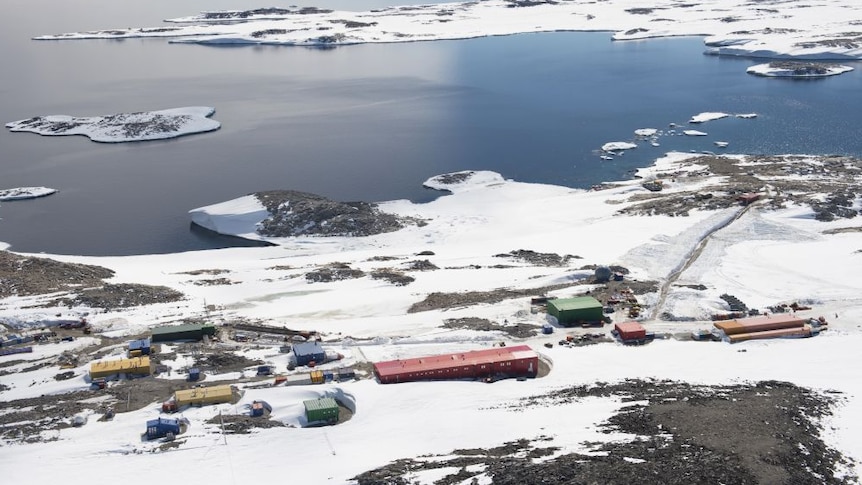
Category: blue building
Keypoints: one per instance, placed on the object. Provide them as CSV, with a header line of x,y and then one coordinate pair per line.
x,y
307,352
160,427
140,347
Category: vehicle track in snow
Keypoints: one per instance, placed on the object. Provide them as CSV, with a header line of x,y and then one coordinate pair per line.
x,y
690,258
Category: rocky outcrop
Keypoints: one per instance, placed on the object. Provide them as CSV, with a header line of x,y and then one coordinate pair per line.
x,y
294,213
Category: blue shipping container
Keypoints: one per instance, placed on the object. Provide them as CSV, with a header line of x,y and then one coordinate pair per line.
x,y
264,370
194,374
160,427
19,350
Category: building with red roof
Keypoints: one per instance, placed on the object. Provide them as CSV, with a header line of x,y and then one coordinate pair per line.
x,y
518,361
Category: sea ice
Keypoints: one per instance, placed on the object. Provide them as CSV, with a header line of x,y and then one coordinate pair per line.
x,y
646,132
124,127
797,69
708,116
25,193
618,145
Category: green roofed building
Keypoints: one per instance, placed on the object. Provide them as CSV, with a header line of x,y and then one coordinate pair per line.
x,y
580,309
188,331
321,410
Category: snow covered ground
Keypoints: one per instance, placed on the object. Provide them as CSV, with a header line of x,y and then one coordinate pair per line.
x,y
764,257
124,127
820,30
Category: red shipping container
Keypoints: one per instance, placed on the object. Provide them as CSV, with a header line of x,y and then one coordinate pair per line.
x,y
630,331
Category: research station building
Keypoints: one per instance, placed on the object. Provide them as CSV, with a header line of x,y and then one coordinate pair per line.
x,y
580,309
188,331
518,361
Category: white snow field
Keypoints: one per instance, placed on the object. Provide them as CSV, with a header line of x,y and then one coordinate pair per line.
x,y
124,127
763,256
802,30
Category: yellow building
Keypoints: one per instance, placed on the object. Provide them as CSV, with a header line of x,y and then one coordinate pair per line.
x,y
204,395
136,365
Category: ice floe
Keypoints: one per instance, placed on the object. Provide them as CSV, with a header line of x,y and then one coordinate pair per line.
x,y
124,127
618,145
20,193
798,69
646,132
708,116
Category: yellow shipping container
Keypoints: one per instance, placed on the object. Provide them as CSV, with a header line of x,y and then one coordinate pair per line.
x,y
317,376
204,395
136,365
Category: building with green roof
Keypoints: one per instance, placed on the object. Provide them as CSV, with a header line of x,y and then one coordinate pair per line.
x,y
572,311
188,331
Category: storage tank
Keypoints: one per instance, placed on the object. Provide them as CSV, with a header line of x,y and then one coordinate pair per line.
x,y
603,274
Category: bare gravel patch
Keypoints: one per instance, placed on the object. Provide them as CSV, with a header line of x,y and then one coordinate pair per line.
x,y
515,330
766,432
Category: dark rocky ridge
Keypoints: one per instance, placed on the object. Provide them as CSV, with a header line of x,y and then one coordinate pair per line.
x,y
294,213
83,284
765,432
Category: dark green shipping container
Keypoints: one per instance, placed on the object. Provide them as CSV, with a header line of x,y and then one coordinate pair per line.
x,y
321,410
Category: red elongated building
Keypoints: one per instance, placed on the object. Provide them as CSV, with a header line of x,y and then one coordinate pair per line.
x,y
760,323
518,361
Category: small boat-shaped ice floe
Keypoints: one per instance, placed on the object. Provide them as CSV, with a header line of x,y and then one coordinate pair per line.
x,y
20,193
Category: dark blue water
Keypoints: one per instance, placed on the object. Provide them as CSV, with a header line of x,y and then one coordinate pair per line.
x,y
368,122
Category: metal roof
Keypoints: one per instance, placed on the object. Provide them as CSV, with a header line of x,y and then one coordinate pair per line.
x,y
445,361
773,318
205,393
158,421
307,348
576,303
139,344
629,327
133,365
186,327
322,403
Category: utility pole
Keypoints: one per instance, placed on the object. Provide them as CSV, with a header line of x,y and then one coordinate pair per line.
x,y
221,418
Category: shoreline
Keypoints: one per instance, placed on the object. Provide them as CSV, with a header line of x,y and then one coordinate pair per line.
x,y
465,252
728,28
